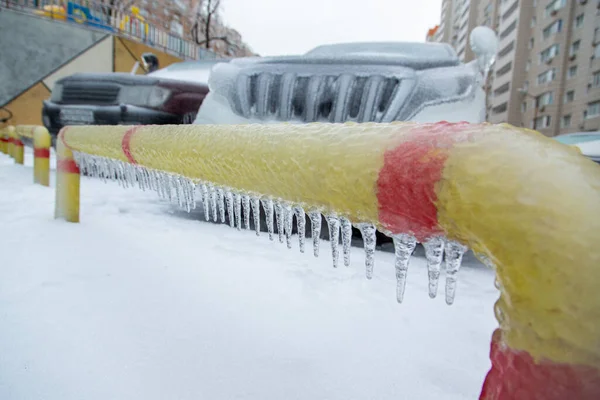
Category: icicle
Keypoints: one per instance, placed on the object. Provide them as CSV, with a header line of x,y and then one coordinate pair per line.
x,y
255,203
315,222
221,202
279,220
346,239
237,199
434,252
205,201
404,245
230,212
301,224
333,223
369,235
213,202
288,221
454,252
268,206
246,206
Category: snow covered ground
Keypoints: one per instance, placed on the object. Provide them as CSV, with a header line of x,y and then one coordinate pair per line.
x,y
139,302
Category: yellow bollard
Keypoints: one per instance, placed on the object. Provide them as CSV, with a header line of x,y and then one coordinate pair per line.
x,y
9,141
41,152
3,141
67,183
18,149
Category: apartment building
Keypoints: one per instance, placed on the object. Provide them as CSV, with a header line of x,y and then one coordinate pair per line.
x,y
547,70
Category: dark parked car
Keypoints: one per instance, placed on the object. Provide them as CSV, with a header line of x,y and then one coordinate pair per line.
x,y
171,95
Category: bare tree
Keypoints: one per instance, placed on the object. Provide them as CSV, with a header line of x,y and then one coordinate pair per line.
x,y
206,17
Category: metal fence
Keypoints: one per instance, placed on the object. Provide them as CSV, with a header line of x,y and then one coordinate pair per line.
x,y
100,16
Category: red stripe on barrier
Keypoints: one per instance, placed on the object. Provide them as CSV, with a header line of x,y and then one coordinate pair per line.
x,y
4,140
41,153
406,182
18,143
61,137
126,144
515,375
67,166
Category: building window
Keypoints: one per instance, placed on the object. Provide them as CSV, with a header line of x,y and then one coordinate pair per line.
x,y
523,106
506,49
596,79
579,21
510,11
501,108
574,47
528,65
532,24
566,121
553,6
553,28
545,99
542,122
504,70
531,43
596,52
549,53
593,110
572,72
569,96
508,30
502,89
526,85
547,76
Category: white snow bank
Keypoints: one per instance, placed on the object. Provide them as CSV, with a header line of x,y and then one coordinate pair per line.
x,y
140,302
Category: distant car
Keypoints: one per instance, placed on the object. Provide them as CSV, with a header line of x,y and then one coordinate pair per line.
x,y
588,143
360,82
171,95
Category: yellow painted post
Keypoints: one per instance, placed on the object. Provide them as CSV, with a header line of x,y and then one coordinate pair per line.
x,y
18,149
41,152
10,141
3,141
67,183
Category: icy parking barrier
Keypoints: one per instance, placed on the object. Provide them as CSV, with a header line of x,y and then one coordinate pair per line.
x,y
41,140
528,206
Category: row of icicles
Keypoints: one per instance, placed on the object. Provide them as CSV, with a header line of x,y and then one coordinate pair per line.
x,y
217,200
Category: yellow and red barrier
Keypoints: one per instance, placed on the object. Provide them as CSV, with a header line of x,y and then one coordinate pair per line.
x,y
42,141
527,204
5,139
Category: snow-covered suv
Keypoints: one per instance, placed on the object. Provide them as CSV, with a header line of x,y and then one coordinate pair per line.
x,y
361,82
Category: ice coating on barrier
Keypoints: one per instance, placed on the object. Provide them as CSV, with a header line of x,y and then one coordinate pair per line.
x,y
269,211
301,224
255,203
404,245
205,201
246,207
454,252
221,201
230,212
434,253
315,222
181,191
333,223
237,200
288,220
279,219
213,202
346,227
369,235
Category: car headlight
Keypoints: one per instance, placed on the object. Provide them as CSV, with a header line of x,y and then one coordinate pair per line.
x,y
144,96
57,91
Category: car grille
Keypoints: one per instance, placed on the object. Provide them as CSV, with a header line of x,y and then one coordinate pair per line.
x,y
89,93
332,98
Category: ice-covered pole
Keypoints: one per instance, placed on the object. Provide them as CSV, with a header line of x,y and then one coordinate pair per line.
x,y
4,140
17,150
526,204
41,151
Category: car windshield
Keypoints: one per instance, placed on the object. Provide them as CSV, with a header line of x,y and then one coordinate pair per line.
x,y
575,138
431,51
